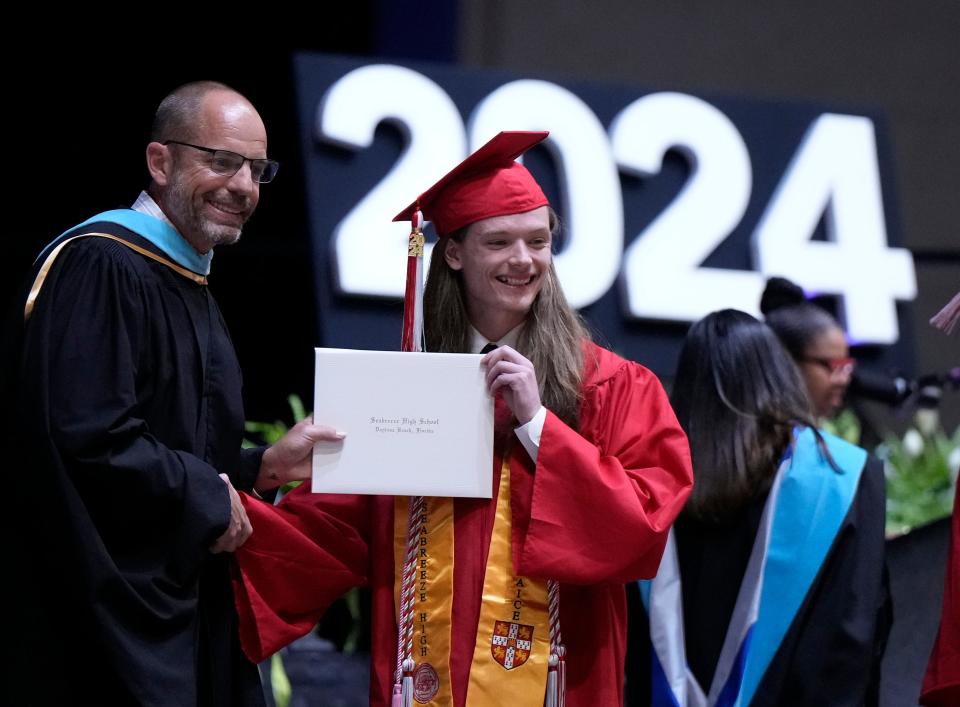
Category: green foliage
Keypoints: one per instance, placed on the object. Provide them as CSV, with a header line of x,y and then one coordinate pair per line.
x,y
920,467
282,690
270,432
352,600
845,426
921,474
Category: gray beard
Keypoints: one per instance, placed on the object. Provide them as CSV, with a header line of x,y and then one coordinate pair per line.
x,y
197,231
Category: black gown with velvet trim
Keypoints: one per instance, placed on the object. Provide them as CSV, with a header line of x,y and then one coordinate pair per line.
x,y
832,651
121,406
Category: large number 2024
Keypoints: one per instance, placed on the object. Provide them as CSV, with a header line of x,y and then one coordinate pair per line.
x,y
834,172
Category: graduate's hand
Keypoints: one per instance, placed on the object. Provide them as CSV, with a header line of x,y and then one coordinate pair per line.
x,y
289,459
239,529
507,370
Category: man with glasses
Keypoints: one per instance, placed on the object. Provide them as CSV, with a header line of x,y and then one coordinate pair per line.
x,y
127,408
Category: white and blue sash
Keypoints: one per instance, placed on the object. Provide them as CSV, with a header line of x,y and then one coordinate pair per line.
x,y
803,513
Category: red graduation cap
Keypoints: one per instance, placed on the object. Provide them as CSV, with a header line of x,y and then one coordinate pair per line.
x,y
487,183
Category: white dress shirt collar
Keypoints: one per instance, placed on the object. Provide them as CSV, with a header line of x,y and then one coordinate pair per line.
x,y
478,340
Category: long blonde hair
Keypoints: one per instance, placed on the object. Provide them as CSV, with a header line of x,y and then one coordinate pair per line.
x,y
552,337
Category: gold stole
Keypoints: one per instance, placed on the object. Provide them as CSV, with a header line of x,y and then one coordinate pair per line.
x,y
433,596
513,637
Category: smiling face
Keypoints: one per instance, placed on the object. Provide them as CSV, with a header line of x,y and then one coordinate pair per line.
x,y
503,261
205,207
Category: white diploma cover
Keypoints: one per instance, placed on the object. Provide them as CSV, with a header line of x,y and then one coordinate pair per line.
x,y
416,424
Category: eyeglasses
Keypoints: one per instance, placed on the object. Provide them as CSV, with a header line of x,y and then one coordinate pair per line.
x,y
834,366
229,163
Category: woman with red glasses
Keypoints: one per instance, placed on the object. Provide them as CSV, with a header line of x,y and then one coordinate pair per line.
x,y
815,341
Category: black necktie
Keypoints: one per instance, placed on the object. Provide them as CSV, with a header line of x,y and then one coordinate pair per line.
x,y
488,348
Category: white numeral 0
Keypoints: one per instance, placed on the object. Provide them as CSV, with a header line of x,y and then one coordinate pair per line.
x,y
589,186
663,279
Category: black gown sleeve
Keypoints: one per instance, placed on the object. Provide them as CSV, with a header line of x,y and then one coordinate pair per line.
x,y
249,467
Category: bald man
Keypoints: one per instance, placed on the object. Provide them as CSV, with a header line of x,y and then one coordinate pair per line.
x,y
126,405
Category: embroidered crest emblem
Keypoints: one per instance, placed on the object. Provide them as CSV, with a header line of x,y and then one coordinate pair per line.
x,y
511,643
426,683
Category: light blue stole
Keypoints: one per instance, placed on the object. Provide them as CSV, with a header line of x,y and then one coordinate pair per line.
x,y
159,232
805,509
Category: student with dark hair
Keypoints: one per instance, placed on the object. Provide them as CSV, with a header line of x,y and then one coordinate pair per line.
x,y
814,339
772,589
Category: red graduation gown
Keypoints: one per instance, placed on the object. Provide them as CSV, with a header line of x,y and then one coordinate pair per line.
x,y
593,513
941,685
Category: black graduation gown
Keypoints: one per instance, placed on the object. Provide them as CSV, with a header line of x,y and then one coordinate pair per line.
x,y
830,655
122,408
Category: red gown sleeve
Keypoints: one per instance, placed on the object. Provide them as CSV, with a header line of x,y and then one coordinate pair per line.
x,y
604,499
941,684
302,555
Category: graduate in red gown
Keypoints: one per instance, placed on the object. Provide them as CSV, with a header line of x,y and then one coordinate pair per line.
x,y
941,685
590,470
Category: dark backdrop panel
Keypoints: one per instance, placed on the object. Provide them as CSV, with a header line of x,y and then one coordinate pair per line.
x,y
901,60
